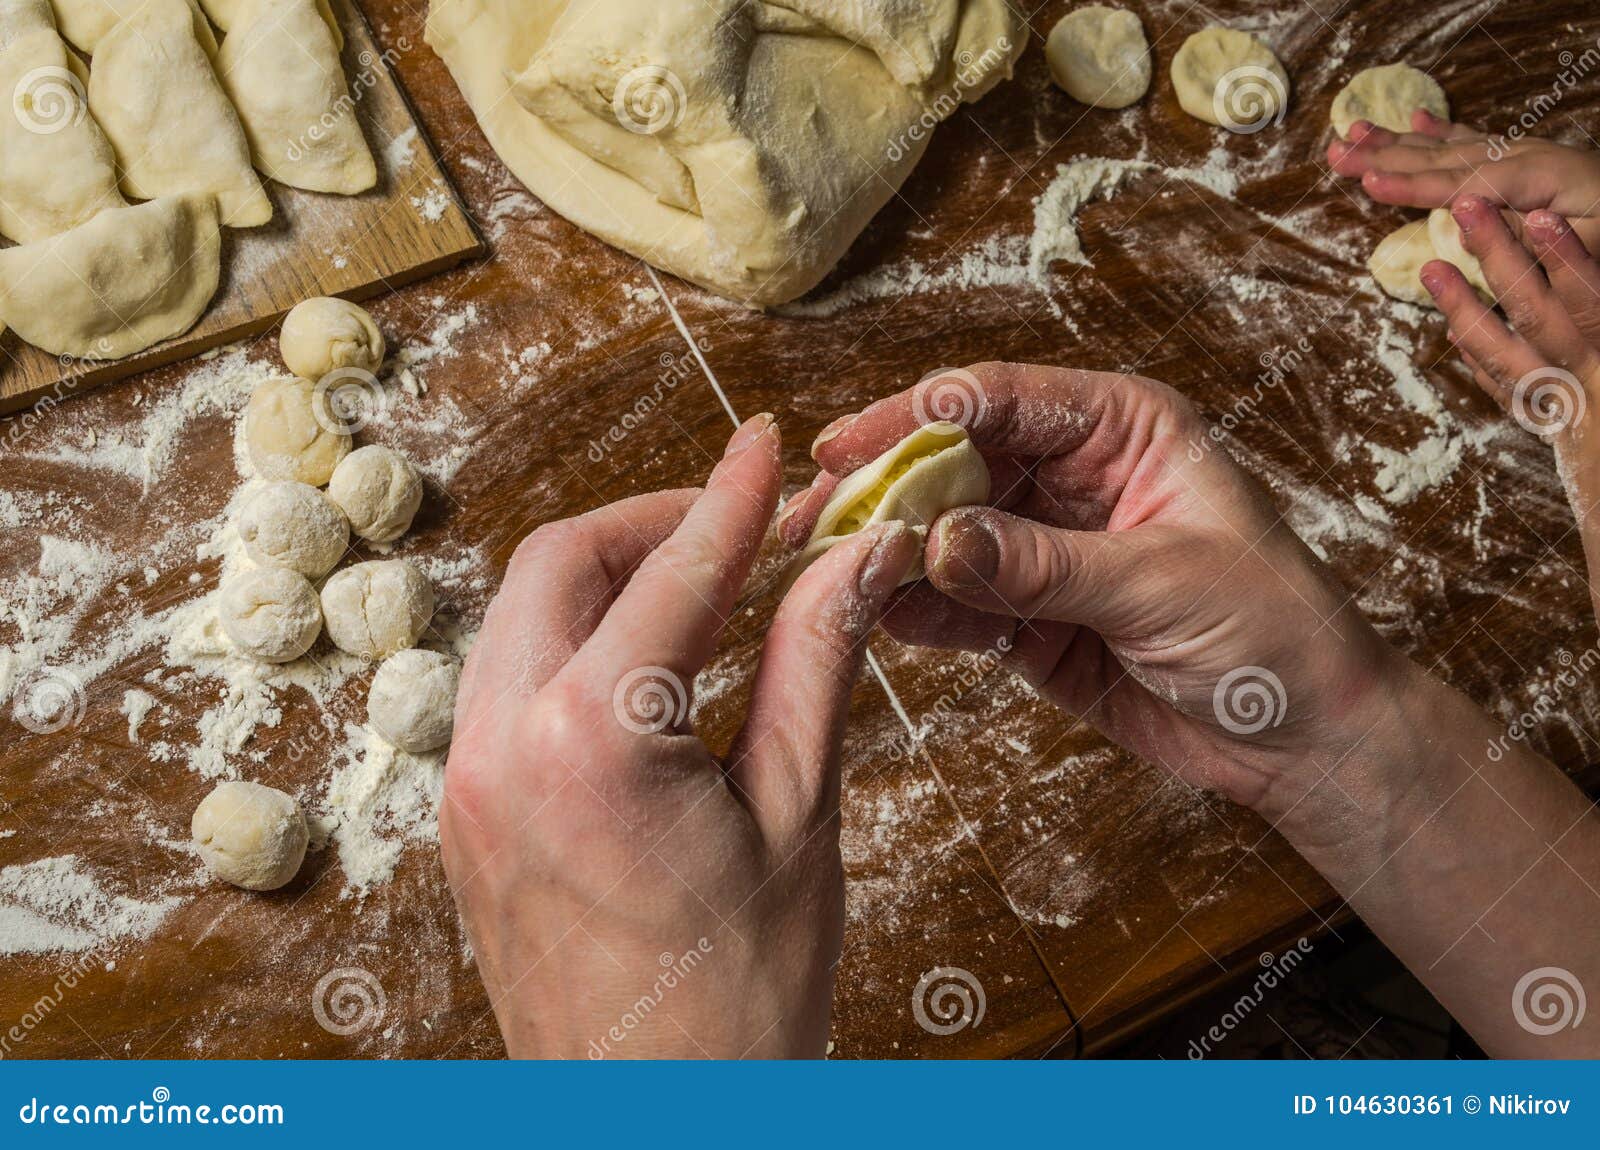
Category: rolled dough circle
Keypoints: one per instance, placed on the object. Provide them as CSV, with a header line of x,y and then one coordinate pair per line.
x,y
1099,56
250,835
1230,79
1387,95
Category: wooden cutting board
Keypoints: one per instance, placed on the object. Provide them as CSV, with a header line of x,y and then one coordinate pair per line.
x,y
409,225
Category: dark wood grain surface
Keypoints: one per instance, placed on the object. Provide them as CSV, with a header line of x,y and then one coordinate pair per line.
x,y
1085,891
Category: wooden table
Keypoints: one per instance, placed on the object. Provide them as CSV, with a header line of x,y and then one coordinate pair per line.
x,y
1087,892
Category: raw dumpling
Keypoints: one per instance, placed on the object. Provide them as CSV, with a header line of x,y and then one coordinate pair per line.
x,y
1231,79
927,473
56,168
86,22
280,65
222,12
173,129
1387,96
128,278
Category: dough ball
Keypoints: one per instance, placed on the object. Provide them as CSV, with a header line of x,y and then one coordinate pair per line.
x,y
322,333
271,613
290,436
1387,96
413,699
1230,79
375,609
1446,236
250,835
1099,56
1397,260
294,525
378,490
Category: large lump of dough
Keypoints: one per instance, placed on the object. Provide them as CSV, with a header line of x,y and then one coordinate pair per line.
x,y
129,278
56,168
741,145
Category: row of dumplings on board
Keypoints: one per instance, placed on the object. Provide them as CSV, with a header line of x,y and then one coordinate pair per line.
x,y
164,113
294,534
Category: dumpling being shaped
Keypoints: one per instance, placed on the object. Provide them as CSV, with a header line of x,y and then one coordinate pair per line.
x,y
86,22
933,470
172,128
56,167
280,66
127,279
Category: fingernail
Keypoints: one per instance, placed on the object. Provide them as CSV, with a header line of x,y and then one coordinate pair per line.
x,y
1432,282
1544,220
965,551
749,431
1464,210
888,561
831,432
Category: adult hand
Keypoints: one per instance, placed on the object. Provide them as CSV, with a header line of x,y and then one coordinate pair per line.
x,y
1142,580
1438,161
626,893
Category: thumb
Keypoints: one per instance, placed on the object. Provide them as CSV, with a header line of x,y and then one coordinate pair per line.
x,y
1008,565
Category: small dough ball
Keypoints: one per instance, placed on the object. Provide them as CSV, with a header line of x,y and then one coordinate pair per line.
x,y
1231,79
1397,260
271,613
1099,56
413,699
375,609
250,835
286,438
322,333
1446,236
294,525
1387,96
378,490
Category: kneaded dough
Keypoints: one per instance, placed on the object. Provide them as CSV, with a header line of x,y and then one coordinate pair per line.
x,y
57,170
1387,96
272,614
1446,236
379,492
294,525
1099,56
86,22
1231,79
280,66
932,470
413,699
323,333
153,91
129,278
291,433
250,835
377,608
742,146
1397,260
